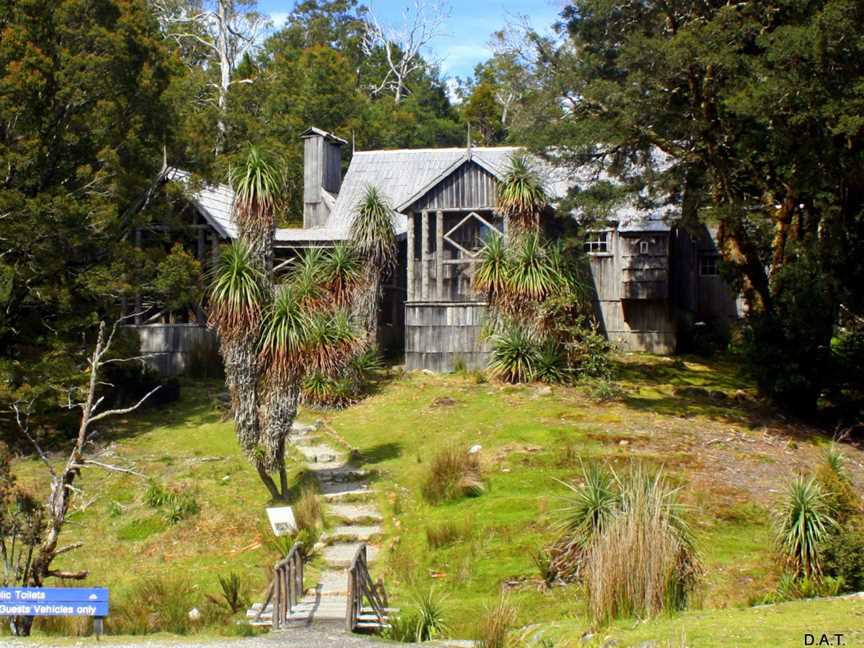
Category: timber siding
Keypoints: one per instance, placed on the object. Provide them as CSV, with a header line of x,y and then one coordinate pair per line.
x,y
171,348
441,336
468,187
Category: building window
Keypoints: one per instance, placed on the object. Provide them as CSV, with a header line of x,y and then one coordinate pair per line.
x,y
709,265
597,242
644,247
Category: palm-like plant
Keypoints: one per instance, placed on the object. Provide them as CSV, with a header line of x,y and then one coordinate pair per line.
x,y
533,273
342,273
493,270
374,238
521,196
235,295
802,523
589,507
515,353
236,299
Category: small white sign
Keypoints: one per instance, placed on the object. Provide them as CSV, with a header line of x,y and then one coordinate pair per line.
x,y
282,520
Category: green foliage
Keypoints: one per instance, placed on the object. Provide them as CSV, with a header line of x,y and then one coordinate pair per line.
x,y
515,355
642,559
178,504
803,522
841,497
793,589
23,523
452,473
233,592
83,100
521,194
627,541
843,555
430,615
741,96
178,283
236,296
349,386
447,533
372,231
155,604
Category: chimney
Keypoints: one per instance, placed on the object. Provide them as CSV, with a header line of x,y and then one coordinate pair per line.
x,y
322,171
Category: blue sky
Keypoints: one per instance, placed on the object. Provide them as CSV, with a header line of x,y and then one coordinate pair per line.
x,y
471,24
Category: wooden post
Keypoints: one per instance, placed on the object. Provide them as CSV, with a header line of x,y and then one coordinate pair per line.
x,y
410,256
424,257
439,255
214,252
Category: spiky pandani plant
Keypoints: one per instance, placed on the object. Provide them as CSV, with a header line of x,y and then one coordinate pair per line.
x,y
521,195
258,188
515,354
302,333
342,273
236,299
373,236
802,524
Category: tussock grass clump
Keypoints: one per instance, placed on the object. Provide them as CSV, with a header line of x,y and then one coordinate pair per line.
x,y
452,474
626,540
307,510
155,604
496,624
447,533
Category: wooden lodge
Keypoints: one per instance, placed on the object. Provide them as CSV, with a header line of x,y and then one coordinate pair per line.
x,y
651,278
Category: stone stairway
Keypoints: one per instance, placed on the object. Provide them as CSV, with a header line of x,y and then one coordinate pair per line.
x,y
348,503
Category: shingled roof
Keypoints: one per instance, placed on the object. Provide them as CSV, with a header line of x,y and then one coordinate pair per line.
x,y
404,175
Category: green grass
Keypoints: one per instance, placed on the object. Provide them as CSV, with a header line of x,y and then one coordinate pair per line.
x,y
531,436
187,445
778,626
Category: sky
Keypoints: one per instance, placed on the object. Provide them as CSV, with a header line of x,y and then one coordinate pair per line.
x,y
468,30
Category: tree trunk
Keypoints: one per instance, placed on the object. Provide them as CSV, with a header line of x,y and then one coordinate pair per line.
x,y
368,300
281,410
225,65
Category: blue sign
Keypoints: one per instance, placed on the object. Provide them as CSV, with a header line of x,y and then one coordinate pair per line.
x,y
54,601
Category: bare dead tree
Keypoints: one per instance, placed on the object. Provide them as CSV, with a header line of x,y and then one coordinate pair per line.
x,y
422,21
39,567
226,30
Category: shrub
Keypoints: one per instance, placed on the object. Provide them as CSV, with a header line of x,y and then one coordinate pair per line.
x,y
843,555
496,624
156,495
802,523
350,386
156,604
840,496
791,588
453,473
642,560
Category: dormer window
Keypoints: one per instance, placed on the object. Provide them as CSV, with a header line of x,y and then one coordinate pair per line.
x,y
597,242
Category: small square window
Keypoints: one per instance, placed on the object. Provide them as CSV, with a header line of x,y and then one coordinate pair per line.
x,y
709,265
644,247
597,242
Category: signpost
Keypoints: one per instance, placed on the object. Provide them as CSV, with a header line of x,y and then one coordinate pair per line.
x,y
56,601
282,520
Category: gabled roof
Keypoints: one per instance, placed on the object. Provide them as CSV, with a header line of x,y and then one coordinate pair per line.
x,y
214,202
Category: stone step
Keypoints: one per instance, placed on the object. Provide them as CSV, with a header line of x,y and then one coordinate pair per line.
x,y
354,511
341,554
346,490
353,533
339,473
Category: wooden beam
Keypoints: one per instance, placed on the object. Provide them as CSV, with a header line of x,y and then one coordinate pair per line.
x,y
409,255
424,256
439,255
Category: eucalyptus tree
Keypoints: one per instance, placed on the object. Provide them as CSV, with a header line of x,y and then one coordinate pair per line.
x,y
374,238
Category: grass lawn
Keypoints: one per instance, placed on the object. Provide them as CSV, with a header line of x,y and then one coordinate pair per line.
x,y
697,420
